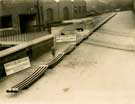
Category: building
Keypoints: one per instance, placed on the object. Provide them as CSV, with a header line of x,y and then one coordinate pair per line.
x,y
79,8
22,16
65,9
133,6
17,16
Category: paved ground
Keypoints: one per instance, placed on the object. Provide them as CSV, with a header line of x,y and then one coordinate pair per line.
x,y
117,33
90,75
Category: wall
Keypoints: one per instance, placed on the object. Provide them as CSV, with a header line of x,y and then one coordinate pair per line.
x,y
33,49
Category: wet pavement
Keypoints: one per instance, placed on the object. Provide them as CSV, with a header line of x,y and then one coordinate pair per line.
x,y
90,74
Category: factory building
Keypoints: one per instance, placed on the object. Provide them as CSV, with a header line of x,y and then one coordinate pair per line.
x,y
22,16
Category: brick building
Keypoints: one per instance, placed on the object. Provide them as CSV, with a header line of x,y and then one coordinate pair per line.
x,y
21,16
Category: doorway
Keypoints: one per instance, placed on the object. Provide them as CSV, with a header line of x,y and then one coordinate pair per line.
x,y
50,16
66,13
27,23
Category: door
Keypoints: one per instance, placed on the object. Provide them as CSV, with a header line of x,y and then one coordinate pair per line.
x,y
66,13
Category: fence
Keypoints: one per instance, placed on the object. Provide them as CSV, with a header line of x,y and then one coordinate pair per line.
x,y
9,37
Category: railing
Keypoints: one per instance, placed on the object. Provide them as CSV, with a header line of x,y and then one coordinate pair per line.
x,y
4,37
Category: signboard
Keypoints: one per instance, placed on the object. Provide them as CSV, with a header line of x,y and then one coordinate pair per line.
x,y
66,38
17,65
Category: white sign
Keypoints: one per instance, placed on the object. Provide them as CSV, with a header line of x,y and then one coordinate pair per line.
x,y
17,65
66,38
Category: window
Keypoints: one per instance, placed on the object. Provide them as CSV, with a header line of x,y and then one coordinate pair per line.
x,y
75,9
6,21
84,8
50,15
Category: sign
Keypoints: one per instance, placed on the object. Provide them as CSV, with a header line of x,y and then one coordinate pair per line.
x,y
66,38
17,65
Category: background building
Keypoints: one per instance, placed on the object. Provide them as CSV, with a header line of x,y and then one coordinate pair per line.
x,y
22,16
79,8
95,7
134,6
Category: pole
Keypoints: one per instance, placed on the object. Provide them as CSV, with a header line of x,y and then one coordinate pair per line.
x,y
38,15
